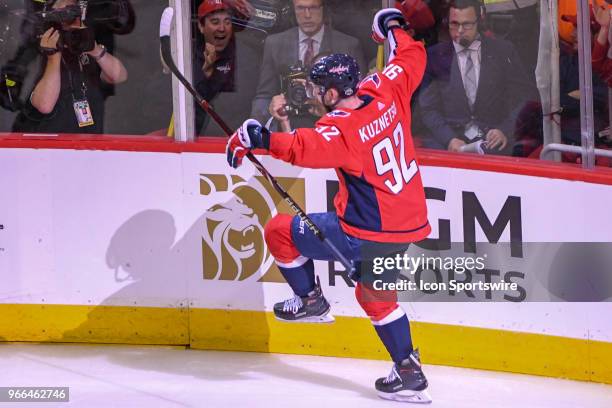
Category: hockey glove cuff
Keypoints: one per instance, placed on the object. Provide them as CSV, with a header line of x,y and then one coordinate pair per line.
x,y
251,135
380,27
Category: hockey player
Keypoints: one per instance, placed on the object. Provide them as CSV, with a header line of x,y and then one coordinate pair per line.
x,y
380,206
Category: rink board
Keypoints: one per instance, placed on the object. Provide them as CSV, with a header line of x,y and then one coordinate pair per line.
x,y
239,330
162,245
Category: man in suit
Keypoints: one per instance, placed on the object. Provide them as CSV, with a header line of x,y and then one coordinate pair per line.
x,y
474,86
310,38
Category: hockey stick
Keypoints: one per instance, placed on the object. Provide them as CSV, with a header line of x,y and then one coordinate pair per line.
x,y
164,37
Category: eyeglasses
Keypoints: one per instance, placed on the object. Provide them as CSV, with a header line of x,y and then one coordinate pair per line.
x,y
468,25
310,9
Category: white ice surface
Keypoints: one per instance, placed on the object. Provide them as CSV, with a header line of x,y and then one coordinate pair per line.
x,y
146,376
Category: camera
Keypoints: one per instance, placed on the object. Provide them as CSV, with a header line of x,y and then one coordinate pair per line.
x,y
77,41
74,41
294,87
115,15
57,17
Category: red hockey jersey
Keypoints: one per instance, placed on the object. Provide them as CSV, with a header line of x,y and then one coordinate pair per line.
x,y
381,196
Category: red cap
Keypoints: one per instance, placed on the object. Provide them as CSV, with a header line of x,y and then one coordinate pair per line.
x,y
209,6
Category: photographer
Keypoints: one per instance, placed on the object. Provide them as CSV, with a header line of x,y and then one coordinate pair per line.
x,y
68,97
278,111
293,108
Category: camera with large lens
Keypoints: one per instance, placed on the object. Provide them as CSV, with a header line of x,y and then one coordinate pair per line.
x,y
77,41
72,40
293,85
48,18
114,15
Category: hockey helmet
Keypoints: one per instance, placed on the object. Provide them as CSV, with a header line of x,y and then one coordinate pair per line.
x,y
337,71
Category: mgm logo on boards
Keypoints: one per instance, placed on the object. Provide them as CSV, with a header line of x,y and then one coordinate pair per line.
x,y
233,246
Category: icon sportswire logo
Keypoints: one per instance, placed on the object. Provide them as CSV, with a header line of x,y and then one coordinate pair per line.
x,y
233,246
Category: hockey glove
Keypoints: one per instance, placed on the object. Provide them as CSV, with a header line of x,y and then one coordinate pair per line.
x,y
249,136
380,27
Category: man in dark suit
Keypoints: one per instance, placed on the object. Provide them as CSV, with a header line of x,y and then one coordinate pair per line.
x,y
474,87
310,38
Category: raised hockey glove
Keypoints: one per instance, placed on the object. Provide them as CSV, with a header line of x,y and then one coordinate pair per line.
x,y
249,136
380,25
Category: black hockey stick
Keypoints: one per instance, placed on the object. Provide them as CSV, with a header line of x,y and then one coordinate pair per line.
x,y
164,37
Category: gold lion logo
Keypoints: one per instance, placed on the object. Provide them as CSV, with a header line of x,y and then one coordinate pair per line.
x,y
233,246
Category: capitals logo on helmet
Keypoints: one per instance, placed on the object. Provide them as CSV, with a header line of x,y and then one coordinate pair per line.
x,y
337,71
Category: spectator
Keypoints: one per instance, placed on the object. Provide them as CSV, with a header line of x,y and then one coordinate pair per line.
x,y
299,44
277,111
569,83
218,75
69,96
566,28
602,54
474,86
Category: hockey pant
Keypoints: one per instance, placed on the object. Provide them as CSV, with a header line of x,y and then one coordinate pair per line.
x,y
294,247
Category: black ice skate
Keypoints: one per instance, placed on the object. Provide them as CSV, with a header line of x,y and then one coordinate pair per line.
x,y
406,383
313,308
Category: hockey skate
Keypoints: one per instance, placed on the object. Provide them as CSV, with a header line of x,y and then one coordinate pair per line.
x,y
405,383
312,308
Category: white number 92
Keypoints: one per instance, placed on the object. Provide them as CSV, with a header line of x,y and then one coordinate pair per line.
x,y
402,174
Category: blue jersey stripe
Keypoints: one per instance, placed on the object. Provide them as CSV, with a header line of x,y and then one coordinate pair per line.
x,y
366,215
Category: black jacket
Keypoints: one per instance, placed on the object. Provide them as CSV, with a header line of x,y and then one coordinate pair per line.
x,y
503,89
231,88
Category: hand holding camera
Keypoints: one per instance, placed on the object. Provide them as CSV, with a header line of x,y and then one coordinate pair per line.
x,y
277,108
65,30
74,41
278,111
293,86
49,40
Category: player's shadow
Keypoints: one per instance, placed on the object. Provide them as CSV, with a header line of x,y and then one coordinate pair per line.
x,y
145,256
212,366
155,269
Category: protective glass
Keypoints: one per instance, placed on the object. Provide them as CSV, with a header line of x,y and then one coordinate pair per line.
x,y
313,90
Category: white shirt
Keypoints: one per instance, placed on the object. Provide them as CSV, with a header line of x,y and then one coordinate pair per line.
x,y
462,58
318,38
